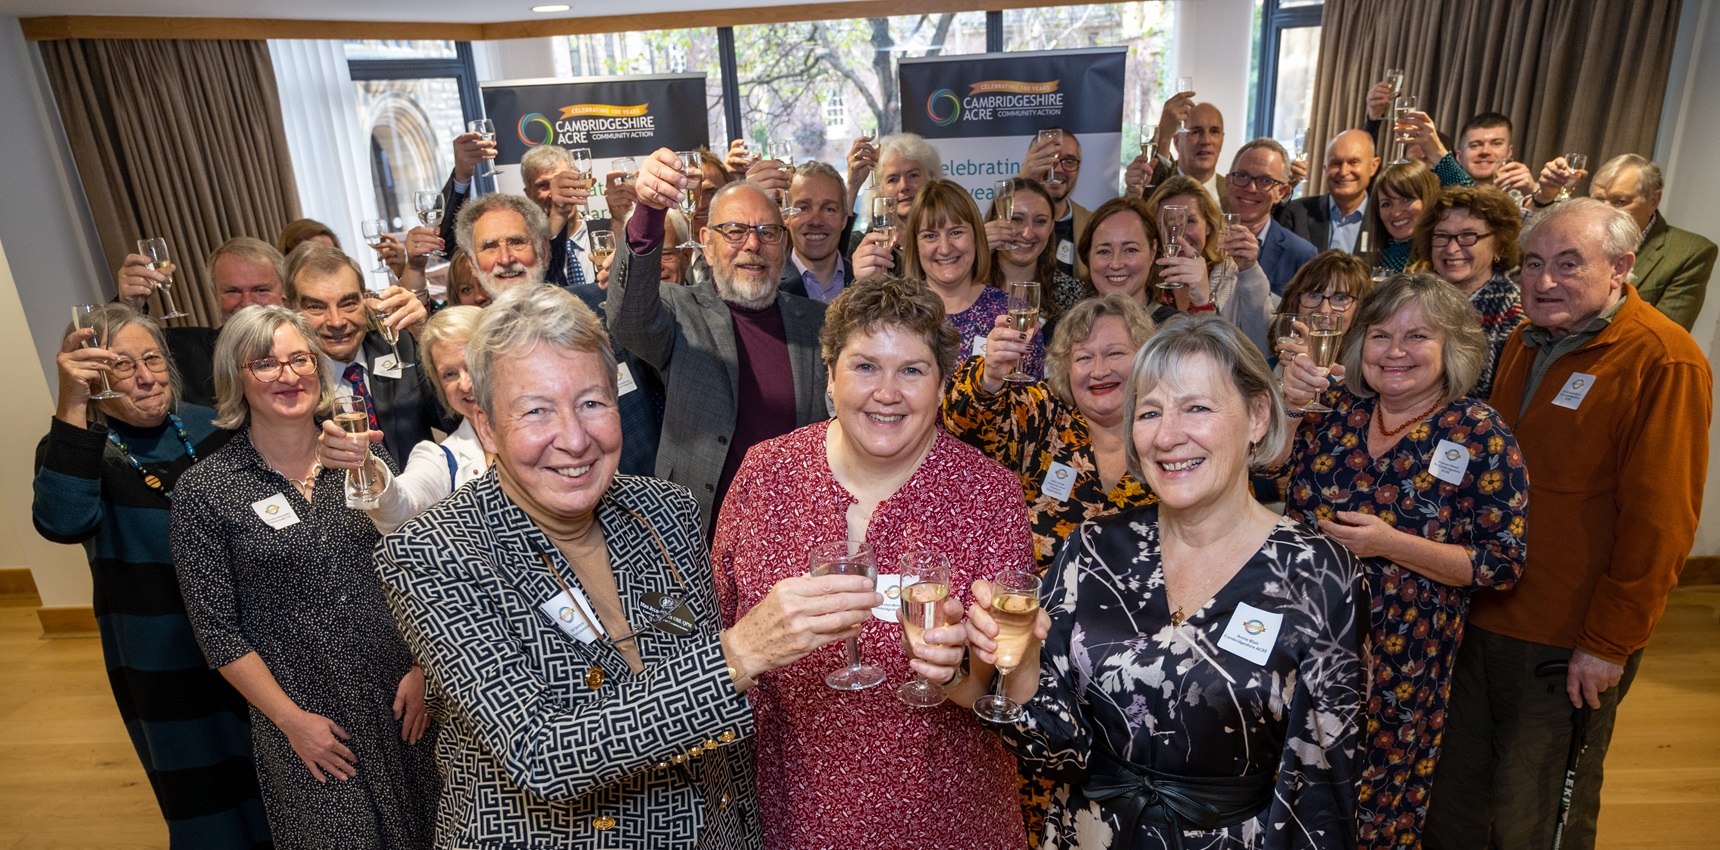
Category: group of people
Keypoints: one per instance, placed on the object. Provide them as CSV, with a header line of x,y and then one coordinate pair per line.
x,y
569,578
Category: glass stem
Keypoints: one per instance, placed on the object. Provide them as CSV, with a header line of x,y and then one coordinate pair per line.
x,y
854,652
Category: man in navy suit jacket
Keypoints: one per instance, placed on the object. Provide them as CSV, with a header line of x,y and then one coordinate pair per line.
x,y
1259,179
1350,167
816,268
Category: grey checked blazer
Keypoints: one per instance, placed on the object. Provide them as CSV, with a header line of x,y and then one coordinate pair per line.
x,y
531,754
687,334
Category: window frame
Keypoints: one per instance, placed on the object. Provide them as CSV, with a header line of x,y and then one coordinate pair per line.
x,y
1274,20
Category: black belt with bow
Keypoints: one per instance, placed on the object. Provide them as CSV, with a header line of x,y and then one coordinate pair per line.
x,y
1141,796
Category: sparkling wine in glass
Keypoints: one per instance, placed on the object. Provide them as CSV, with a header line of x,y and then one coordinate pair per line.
x,y
1015,607
602,247
1003,202
884,217
1402,106
155,248
1023,314
486,130
1183,84
363,491
381,280
925,586
781,149
848,558
89,316
1578,163
429,207
1394,79
692,165
1284,335
1055,139
628,166
1173,218
374,230
1324,340
1301,145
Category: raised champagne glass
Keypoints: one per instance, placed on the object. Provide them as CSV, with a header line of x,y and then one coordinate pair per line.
x,y
1394,80
1055,139
486,130
925,586
849,558
155,248
781,149
1023,309
1014,607
884,217
1173,219
1579,164
1402,106
602,247
89,316
1183,84
374,230
429,206
352,415
692,165
1324,340
381,280
1003,202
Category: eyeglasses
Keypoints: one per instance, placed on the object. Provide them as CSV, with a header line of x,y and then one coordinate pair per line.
x,y
124,367
1069,163
1245,180
735,233
1340,301
268,369
1466,238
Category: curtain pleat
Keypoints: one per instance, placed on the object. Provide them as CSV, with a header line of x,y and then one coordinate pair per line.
x,y
1584,77
180,139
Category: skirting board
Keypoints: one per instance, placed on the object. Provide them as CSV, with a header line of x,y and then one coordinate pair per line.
x,y
67,621
1704,570
17,581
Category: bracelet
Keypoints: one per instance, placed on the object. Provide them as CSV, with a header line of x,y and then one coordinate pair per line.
x,y
1208,307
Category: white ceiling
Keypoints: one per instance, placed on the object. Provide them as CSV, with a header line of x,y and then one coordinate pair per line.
x,y
438,11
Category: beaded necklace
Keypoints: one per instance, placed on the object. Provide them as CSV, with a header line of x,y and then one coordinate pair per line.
x,y
150,478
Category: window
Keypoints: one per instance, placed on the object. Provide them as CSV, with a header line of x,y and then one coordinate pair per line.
x,y
835,110
1289,52
412,102
686,51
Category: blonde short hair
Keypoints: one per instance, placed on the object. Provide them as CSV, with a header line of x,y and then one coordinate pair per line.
x,y
1188,335
1077,325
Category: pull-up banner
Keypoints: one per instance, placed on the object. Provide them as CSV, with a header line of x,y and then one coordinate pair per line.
x,y
981,112
613,116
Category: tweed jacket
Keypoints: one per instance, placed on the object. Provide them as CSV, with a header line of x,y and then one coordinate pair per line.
x,y
1672,270
548,741
688,335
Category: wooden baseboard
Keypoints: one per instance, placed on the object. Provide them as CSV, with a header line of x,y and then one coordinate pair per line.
x,y
64,621
1704,570
17,581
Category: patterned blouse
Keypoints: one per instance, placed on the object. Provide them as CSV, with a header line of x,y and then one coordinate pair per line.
x,y
1417,623
1501,304
1042,440
1182,700
860,768
978,320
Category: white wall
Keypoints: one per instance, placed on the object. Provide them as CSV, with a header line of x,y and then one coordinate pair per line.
x,y
1690,122
49,260
1213,42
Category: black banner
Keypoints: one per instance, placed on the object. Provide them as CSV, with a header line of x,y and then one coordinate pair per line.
x,y
1013,94
613,116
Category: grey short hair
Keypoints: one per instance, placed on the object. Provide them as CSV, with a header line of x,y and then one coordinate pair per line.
x,y
1186,335
537,223
1619,233
914,147
1444,306
248,336
543,159
521,319
450,324
1268,143
1649,179
736,187
250,249
116,316
814,168
1077,325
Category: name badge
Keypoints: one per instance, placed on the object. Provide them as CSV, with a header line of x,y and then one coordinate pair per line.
x,y
1571,395
1059,482
388,366
624,382
891,587
1065,252
979,344
1251,633
573,615
1450,461
276,511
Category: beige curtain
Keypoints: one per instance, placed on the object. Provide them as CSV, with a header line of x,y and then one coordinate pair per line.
x,y
181,139
1574,77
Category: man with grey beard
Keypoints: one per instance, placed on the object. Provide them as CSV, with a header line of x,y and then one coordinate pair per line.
x,y
740,360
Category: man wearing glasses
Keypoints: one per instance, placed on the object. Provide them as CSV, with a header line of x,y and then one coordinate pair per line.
x,y
740,360
1062,161
1258,181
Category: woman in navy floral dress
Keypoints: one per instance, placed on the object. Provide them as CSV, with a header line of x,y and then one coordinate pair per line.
x,y
1429,488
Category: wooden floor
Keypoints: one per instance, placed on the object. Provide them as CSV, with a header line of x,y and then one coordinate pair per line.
x,y
69,778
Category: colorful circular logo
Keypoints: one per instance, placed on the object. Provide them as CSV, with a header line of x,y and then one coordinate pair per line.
x,y
1254,627
932,107
531,118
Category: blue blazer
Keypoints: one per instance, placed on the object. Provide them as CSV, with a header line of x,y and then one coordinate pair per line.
x,y
1282,253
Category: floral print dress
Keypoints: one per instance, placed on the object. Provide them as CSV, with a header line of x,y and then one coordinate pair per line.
x,y
1115,673
1417,623
976,322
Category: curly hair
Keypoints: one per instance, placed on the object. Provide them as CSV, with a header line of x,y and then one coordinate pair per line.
x,y
882,300
1502,215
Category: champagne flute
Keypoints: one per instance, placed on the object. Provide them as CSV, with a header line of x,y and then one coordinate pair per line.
x,y
925,586
628,166
1183,84
1324,339
353,417
1015,607
1003,200
1023,314
884,217
1173,218
1149,150
89,316
155,248
384,278
1055,139
782,150
1401,108
374,230
1394,79
602,247
692,165
429,206
1301,145
486,129
848,558
583,168
1578,163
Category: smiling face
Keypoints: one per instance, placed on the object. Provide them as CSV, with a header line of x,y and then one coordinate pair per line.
x,y
1567,280
291,397
947,254
1198,149
540,189
746,274
1193,239
1466,268
1482,150
823,211
1398,213
1192,433
1403,358
886,390
333,304
1350,164
902,179
1032,225
1121,255
147,397
1098,365
1254,202
241,282
503,251
556,430
449,356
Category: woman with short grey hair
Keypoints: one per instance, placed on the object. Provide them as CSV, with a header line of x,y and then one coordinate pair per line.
x,y
277,578
1428,487
1204,593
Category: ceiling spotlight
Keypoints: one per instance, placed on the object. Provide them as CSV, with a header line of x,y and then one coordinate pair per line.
x,y
556,7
